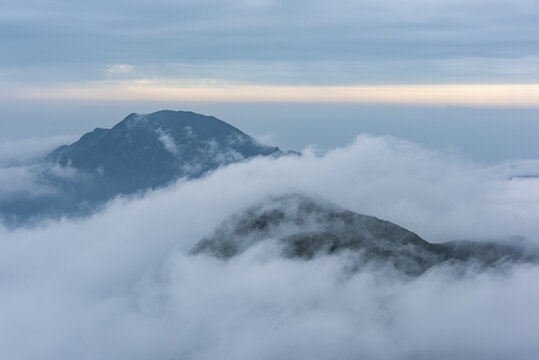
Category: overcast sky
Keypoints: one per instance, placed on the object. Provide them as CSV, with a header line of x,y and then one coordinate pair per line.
x,y
263,42
121,56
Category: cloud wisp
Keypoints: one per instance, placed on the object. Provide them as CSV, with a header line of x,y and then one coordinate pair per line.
x,y
28,151
119,69
119,284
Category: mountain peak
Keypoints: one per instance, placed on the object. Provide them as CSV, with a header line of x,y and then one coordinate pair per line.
x,y
143,151
171,137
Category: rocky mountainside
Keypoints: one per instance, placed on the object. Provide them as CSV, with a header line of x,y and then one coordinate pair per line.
x,y
305,227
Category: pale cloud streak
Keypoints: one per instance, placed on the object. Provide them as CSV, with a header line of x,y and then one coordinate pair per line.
x,y
119,68
497,95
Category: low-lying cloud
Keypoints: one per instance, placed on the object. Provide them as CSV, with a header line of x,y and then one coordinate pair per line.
x,y
21,164
119,284
28,151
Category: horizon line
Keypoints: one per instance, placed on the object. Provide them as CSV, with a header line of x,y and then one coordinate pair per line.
x,y
496,95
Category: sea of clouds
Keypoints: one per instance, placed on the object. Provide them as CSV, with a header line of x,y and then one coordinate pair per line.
x,y
120,284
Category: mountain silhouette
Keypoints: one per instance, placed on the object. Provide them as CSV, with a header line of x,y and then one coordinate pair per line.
x,y
143,151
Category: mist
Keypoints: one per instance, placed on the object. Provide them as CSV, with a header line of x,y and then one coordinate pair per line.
x,y
120,283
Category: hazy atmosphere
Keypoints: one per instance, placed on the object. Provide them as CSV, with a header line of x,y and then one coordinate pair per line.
x,y
266,179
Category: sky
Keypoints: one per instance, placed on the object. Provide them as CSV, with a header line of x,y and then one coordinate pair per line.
x,y
208,44
348,66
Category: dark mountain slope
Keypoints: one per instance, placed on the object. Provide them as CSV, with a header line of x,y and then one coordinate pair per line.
x,y
140,152
145,151
306,227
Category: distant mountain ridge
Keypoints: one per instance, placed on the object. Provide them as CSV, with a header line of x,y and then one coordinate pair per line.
x,y
143,151
152,149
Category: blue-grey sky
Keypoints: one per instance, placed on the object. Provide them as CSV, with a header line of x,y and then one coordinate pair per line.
x,y
303,42
486,135
69,66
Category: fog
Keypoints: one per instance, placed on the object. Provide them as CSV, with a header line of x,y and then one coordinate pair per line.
x,y
27,151
21,164
120,284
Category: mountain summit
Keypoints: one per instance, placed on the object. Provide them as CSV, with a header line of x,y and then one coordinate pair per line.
x,y
143,151
146,151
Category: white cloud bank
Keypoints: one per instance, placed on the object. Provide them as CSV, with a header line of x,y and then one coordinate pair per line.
x,y
120,285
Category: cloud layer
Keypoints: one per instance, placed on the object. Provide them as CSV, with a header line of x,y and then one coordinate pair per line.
x,y
271,42
120,285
